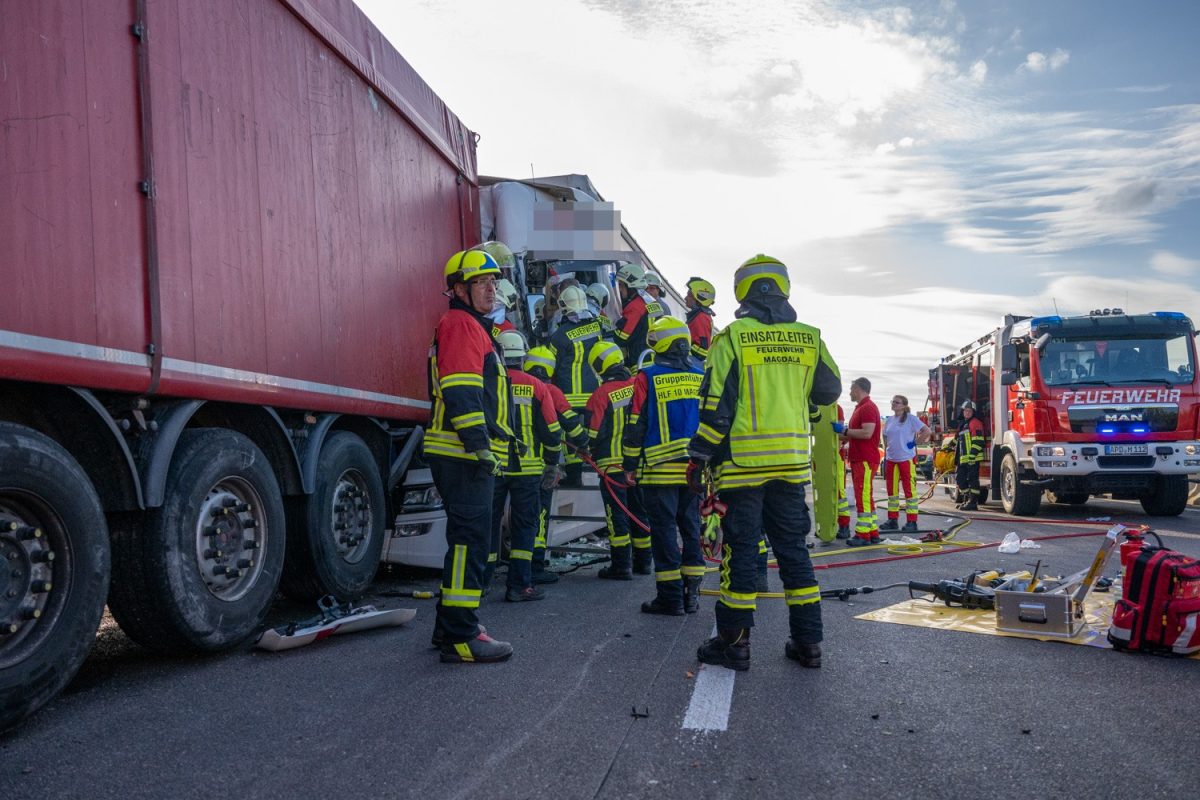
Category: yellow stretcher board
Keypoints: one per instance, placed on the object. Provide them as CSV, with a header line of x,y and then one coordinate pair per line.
x,y
1097,608
825,466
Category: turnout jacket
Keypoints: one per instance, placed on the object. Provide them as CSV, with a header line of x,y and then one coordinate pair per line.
x,y
663,418
634,324
468,386
762,373
606,413
570,344
568,420
969,441
535,423
699,322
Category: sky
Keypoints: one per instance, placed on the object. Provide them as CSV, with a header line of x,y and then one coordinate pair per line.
x,y
922,168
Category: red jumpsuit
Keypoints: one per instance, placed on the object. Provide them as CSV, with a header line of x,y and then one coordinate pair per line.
x,y
864,463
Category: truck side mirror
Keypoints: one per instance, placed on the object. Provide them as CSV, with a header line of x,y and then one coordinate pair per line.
x,y
1008,377
1008,357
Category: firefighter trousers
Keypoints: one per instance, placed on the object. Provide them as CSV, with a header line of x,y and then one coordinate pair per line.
x,y
967,479
674,516
466,490
779,510
900,477
843,504
862,474
616,520
523,493
545,506
641,539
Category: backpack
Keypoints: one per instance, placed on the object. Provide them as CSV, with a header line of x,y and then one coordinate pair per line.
x,y
1159,608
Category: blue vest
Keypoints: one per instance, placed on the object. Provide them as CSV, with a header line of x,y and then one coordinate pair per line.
x,y
672,412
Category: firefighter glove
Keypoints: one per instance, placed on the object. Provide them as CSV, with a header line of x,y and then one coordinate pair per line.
x,y
488,460
551,476
695,475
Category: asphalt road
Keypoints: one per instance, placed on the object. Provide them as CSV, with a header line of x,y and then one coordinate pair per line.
x,y
896,711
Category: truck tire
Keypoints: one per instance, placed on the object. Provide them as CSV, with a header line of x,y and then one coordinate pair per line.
x,y
50,605
199,573
1168,498
1068,498
335,536
1018,500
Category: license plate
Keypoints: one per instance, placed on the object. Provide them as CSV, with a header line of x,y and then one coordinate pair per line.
x,y
1125,450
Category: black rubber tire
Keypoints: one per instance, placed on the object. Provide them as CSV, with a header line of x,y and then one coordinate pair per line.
x,y
158,595
1067,498
37,474
1018,500
314,566
1170,497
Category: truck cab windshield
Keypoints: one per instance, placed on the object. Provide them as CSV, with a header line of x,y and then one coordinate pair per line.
x,y
1161,359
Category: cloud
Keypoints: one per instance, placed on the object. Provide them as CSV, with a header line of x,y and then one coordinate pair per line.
x,y
979,71
1037,61
1168,263
1158,87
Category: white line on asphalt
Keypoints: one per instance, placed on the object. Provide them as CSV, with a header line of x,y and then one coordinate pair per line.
x,y
711,698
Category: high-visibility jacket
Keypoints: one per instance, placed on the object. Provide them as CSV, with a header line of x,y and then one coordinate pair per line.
x,y
468,385
535,423
754,412
607,410
663,418
499,328
699,322
634,324
568,420
570,344
969,442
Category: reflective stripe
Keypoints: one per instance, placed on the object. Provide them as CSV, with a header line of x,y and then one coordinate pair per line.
x,y
521,555
668,575
641,542
693,572
709,434
467,420
461,379
742,601
464,651
762,547
802,597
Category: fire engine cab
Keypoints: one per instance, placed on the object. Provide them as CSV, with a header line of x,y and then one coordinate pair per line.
x,y
1106,403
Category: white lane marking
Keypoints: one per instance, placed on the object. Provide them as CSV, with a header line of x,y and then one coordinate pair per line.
x,y
711,698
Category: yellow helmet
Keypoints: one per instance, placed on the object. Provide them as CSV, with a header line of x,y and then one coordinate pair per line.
x,y
499,251
506,293
664,331
512,345
572,299
703,291
632,275
756,268
539,358
466,265
604,356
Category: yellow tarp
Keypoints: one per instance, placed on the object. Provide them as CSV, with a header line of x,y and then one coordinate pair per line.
x,y
923,614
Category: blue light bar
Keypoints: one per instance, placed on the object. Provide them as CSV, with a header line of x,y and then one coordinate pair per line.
x,y
1170,314
1140,429
1036,322
1106,429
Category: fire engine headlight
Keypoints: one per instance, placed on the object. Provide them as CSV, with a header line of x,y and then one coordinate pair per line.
x,y
1051,451
1190,450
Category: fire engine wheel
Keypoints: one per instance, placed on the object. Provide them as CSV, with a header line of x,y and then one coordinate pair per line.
x,y
1021,501
1168,498
54,562
1068,498
335,536
199,573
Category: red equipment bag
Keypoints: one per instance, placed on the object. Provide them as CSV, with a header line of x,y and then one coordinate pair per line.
x,y
1159,608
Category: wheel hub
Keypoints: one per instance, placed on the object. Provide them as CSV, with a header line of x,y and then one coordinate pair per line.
x,y
26,576
351,522
230,534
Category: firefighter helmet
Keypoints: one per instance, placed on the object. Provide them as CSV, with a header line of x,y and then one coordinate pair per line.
x,y
499,251
665,331
632,275
539,358
967,404
572,300
466,265
598,294
604,356
506,293
703,291
512,345
757,268
654,279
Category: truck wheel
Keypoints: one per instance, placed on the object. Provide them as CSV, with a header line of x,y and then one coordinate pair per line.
x,y
1068,498
54,562
1021,501
1168,498
336,535
199,573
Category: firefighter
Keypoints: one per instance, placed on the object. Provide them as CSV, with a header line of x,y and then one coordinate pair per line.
x,y
598,295
506,303
663,418
969,445
539,362
843,456
536,426
467,446
863,431
637,310
606,414
762,373
570,343
699,300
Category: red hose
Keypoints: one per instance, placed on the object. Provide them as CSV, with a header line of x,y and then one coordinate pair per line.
x,y
608,483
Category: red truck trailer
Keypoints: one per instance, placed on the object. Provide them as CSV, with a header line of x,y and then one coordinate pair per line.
x,y
222,224
1103,403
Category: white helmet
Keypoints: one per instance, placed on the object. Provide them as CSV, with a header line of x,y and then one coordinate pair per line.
x,y
572,300
652,279
632,275
512,345
506,293
598,294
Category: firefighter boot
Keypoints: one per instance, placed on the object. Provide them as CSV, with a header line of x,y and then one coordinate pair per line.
x,y
729,648
843,532
691,594
643,561
513,595
890,525
541,575
971,505
618,569
439,636
664,606
809,655
910,527
483,649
